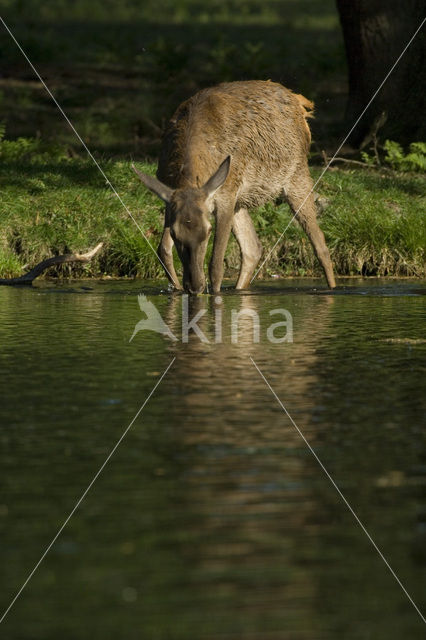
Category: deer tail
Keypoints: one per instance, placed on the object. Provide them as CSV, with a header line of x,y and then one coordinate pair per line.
x,y
306,105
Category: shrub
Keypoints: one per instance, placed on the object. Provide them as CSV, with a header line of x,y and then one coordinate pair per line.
x,y
415,160
32,149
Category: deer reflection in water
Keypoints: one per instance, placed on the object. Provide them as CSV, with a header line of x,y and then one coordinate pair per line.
x,y
248,475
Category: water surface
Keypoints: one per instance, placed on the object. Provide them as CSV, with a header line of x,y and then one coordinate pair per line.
x,y
213,520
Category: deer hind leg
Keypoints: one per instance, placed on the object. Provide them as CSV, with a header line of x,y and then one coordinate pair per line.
x,y
165,253
303,206
250,246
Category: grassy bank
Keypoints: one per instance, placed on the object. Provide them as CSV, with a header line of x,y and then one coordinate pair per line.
x,y
374,222
119,70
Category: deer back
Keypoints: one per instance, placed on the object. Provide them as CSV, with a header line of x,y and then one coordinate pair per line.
x,y
260,124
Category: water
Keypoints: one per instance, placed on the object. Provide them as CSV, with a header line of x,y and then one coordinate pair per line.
x,y
213,519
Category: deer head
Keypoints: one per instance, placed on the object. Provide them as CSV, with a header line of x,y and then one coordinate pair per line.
x,y
188,211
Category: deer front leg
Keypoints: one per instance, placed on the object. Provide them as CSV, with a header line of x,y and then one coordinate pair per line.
x,y
250,246
221,238
165,253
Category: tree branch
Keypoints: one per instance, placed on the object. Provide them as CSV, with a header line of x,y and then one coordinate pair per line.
x,y
358,162
28,277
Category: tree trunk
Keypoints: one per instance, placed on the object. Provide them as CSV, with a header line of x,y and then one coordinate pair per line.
x,y
375,33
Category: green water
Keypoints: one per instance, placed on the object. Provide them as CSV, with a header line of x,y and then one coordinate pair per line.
x,y
212,519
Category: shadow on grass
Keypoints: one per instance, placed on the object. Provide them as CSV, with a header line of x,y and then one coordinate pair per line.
x,y
54,175
413,184
120,80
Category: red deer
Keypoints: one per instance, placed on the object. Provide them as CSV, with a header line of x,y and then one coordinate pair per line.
x,y
228,149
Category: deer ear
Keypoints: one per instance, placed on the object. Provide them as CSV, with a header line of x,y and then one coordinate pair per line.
x,y
218,178
161,190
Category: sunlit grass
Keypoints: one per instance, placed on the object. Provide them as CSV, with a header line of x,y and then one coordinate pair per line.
x,y
374,223
48,210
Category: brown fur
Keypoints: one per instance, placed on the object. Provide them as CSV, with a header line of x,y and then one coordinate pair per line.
x,y
307,108
262,127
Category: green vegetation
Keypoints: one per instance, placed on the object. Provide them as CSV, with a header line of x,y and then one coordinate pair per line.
x,y
374,224
55,207
415,160
119,70
393,155
51,204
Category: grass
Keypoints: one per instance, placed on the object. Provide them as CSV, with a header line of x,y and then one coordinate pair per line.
x,y
374,222
119,70
64,206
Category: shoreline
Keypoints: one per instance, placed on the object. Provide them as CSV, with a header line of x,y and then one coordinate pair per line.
x,y
374,223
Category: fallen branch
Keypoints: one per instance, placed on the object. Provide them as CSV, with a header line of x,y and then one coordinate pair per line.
x,y
28,277
376,166
328,160
358,162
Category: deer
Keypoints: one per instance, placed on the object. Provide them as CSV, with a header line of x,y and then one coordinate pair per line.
x,y
226,150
